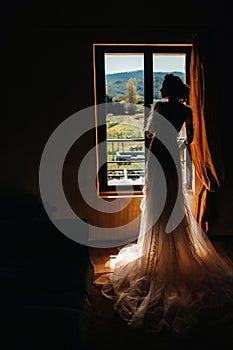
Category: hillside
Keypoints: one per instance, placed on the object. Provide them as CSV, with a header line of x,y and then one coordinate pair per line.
x,y
117,82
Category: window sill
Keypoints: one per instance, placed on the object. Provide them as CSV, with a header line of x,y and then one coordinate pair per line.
x,y
126,194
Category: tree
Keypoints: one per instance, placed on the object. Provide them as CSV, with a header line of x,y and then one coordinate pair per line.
x,y
132,94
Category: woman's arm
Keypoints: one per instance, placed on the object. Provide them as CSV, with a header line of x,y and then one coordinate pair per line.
x,y
189,128
189,132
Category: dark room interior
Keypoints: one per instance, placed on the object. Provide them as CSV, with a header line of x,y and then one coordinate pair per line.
x,y
48,300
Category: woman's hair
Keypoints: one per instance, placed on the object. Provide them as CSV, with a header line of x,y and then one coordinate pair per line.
x,y
174,87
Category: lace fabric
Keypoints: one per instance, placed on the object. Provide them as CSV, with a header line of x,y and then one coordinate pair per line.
x,y
173,277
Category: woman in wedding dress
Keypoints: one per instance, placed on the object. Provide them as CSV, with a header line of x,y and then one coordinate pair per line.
x,y
172,278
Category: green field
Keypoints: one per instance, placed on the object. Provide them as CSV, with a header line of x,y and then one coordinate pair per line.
x,y
124,127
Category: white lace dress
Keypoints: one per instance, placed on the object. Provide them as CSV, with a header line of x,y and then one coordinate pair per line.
x,y
172,278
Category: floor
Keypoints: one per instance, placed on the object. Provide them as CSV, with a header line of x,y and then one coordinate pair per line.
x,y
100,257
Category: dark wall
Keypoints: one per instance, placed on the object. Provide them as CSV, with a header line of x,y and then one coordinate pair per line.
x,y
47,75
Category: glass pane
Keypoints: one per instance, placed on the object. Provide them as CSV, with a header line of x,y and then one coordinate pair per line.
x,y
176,64
164,64
124,95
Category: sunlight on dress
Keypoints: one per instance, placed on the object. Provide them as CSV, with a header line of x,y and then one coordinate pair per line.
x,y
172,278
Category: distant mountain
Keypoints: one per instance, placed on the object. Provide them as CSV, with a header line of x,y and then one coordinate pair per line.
x,y
138,74
117,82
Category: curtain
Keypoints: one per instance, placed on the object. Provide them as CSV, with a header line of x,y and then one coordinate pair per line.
x,y
206,147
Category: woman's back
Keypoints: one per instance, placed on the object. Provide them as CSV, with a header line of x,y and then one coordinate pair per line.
x,y
175,112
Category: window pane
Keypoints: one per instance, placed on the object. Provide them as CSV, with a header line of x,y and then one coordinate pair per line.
x,y
124,95
164,64
176,64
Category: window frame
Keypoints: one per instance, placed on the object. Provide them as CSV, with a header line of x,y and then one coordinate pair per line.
x,y
99,50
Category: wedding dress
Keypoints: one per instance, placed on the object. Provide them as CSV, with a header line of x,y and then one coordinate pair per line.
x,y
172,277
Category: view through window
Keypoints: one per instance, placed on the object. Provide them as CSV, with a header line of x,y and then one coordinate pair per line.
x,y
125,119
129,86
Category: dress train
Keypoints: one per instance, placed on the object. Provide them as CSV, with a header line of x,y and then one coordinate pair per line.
x,y
173,277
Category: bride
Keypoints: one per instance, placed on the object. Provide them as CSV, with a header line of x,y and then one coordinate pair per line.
x,y
172,278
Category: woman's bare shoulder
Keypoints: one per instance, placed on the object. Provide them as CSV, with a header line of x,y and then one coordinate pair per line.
x,y
186,106
189,112
158,105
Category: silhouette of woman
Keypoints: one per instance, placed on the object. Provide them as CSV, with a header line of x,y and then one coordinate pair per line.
x,y
172,278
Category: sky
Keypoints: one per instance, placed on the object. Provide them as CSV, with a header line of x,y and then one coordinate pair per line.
x,y
126,63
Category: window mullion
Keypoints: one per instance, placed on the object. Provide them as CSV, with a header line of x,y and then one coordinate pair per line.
x,y
148,78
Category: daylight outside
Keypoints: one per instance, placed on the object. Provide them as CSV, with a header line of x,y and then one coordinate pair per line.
x,y
125,117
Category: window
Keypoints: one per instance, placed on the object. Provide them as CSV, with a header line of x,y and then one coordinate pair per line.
x,y
128,79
